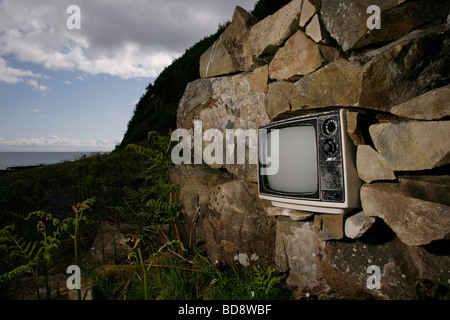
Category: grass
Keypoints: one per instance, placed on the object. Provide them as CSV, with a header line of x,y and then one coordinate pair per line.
x,y
172,279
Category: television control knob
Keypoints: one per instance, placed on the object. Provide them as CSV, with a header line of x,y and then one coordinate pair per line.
x,y
329,147
329,126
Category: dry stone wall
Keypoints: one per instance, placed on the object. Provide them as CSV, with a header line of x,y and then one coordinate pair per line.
x,y
315,55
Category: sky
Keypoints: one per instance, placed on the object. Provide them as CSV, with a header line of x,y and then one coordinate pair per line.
x,y
72,71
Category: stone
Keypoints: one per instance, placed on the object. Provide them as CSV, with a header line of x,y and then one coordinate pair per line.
x,y
216,61
355,122
308,11
429,188
371,166
277,99
415,221
401,19
195,183
356,225
236,39
432,264
298,250
314,29
339,83
107,247
347,21
237,227
413,145
379,79
276,28
230,53
299,56
432,105
329,53
346,268
234,102
198,93
237,99
329,226
259,78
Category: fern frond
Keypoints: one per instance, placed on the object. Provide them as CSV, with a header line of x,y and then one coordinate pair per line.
x,y
16,272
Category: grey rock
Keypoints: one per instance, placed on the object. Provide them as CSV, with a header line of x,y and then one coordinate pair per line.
x,y
329,226
414,220
231,52
276,29
357,225
346,21
195,183
230,102
298,250
237,227
432,105
107,247
413,145
371,166
299,56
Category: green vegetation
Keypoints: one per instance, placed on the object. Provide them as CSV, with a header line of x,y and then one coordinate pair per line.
x,y
51,216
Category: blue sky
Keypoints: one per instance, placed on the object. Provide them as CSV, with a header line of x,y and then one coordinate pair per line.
x,y
67,89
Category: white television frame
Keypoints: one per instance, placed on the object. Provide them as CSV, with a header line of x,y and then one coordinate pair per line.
x,y
352,182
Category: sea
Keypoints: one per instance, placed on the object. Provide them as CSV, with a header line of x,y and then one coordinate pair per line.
x,y
25,159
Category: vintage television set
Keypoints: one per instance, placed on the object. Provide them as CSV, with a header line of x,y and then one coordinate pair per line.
x,y
309,163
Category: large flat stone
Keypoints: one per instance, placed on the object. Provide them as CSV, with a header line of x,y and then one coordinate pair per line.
x,y
270,33
237,227
217,61
195,183
298,250
346,20
231,102
428,188
348,268
236,39
432,105
299,56
231,52
415,221
413,145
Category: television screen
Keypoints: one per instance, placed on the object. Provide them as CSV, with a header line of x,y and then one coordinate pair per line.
x,y
297,171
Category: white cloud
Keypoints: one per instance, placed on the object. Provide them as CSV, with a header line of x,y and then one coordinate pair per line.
x,y
55,143
122,38
36,110
67,82
38,87
12,75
